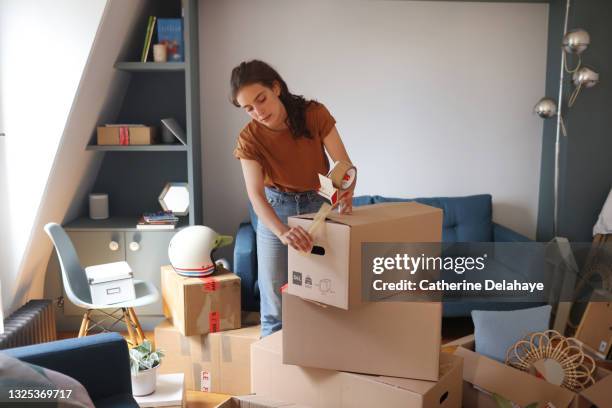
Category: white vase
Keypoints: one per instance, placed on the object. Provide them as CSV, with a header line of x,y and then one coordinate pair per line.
x,y
143,383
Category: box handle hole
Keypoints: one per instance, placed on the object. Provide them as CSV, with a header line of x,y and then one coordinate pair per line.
x,y
318,250
443,397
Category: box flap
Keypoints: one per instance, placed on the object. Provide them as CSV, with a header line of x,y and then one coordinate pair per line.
x,y
374,213
600,393
108,272
515,385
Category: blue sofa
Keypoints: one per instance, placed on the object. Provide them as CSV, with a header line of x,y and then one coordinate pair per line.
x,y
466,219
100,363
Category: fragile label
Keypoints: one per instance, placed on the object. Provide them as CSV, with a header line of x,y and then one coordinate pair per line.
x,y
213,322
210,284
205,381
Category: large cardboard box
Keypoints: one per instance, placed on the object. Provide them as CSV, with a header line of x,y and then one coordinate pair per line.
x,y
331,273
486,376
256,401
201,305
132,135
216,362
335,389
399,339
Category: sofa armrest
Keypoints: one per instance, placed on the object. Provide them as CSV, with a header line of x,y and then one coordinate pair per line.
x,y
245,265
504,234
99,362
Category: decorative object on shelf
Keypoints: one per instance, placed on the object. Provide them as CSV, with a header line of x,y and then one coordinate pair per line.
x,y
98,206
175,197
191,250
148,38
574,42
160,53
144,360
170,32
171,130
555,358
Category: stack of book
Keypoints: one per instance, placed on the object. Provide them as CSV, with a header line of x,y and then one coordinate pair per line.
x,y
159,220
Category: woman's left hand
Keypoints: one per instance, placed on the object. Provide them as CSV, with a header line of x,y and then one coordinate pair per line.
x,y
346,202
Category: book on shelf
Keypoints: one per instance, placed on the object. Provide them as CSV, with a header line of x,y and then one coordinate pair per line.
x,y
160,216
170,32
148,38
146,226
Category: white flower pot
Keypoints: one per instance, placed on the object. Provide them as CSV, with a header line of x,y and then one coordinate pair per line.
x,y
143,383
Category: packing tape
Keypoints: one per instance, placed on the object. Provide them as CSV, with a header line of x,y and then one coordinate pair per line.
x,y
342,175
226,348
213,322
205,348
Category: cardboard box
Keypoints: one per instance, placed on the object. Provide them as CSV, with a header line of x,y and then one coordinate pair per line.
x,y
595,329
201,305
216,362
336,389
134,135
256,401
398,339
331,273
487,376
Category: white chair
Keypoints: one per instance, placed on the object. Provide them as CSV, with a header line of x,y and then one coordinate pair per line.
x,y
77,289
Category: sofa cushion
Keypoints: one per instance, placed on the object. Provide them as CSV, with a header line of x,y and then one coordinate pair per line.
x,y
466,219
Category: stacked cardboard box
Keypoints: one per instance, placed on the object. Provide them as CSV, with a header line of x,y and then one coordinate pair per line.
x,y
202,337
330,334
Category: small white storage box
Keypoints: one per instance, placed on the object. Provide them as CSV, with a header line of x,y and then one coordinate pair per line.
x,y
110,283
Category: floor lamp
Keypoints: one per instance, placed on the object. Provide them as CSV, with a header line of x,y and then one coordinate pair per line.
x,y
574,42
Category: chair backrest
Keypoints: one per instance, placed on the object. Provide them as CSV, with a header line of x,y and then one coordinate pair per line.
x,y
73,274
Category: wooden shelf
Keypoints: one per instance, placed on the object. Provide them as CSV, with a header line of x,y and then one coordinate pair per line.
x,y
123,223
150,66
139,148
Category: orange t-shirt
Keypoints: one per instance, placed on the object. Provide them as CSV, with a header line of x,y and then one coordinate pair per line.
x,y
289,163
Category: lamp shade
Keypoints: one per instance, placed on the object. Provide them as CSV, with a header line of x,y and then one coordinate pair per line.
x,y
545,108
585,77
576,41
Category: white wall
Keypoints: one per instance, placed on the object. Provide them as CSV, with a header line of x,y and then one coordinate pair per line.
x,y
43,49
431,98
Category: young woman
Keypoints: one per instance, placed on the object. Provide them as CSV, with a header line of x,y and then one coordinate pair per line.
x,y
282,151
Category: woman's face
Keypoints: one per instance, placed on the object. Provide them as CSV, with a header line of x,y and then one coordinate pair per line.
x,y
263,104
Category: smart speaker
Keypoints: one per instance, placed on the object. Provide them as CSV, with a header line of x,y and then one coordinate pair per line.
x,y
98,206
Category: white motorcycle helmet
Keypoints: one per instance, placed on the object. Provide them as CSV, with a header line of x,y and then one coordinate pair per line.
x,y
190,250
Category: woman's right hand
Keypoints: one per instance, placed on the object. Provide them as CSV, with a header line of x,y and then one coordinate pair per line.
x,y
298,238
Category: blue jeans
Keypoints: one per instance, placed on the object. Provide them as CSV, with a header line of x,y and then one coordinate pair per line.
x,y
272,253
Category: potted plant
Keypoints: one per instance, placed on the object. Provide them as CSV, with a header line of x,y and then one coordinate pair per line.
x,y
143,364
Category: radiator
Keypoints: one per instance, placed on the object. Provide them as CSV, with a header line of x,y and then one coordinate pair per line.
x,y
33,323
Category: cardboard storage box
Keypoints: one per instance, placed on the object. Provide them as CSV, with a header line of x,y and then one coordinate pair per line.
x,y
110,283
486,376
331,273
201,305
126,135
257,401
399,339
320,388
215,362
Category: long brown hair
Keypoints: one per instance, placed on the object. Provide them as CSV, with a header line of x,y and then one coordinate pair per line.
x,y
256,71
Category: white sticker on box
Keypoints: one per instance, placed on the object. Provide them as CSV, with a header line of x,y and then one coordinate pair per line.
x,y
205,381
602,346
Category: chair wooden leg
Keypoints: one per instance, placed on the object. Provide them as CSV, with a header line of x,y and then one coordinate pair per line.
x,y
134,318
130,329
84,324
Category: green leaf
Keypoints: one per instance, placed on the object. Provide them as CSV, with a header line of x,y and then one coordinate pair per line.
x,y
501,401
